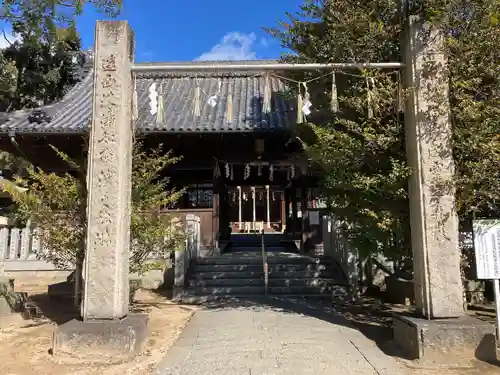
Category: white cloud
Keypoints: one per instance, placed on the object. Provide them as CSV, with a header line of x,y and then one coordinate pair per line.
x,y
233,46
6,38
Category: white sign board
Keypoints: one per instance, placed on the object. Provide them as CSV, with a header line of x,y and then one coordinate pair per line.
x,y
487,248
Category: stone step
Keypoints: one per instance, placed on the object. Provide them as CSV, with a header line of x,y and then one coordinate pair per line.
x,y
229,290
202,268
291,282
260,274
313,282
298,274
256,259
226,282
203,295
229,275
259,290
190,299
303,290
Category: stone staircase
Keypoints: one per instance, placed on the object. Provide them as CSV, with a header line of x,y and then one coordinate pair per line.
x,y
239,273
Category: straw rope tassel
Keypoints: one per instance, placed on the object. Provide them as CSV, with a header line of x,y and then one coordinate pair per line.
x,y
399,99
300,115
334,105
135,110
266,103
229,106
369,98
159,114
196,101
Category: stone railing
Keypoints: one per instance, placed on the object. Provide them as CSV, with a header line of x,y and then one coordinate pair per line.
x,y
18,249
336,245
18,244
191,250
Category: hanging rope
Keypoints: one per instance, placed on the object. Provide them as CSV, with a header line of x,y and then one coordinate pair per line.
x,y
159,114
135,109
300,116
368,98
266,103
306,103
229,106
197,101
400,95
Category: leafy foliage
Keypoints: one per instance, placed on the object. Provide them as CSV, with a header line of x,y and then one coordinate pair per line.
x,y
56,204
363,157
38,70
45,16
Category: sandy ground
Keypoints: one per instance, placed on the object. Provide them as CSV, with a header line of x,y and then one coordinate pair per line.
x,y
25,344
374,319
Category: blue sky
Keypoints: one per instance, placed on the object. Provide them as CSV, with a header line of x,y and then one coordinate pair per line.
x,y
186,30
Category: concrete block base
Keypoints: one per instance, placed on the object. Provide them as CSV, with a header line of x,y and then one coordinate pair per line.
x,y
445,341
101,341
10,301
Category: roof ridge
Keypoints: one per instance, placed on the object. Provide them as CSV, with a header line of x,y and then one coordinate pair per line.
x,y
210,62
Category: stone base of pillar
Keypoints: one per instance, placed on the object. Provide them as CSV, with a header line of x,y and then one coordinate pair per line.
x,y
101,341
454,341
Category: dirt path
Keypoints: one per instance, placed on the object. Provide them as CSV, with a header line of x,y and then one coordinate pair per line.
x,y
25,344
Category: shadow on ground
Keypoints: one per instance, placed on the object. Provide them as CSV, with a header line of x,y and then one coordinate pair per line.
x,y
56,309
371,317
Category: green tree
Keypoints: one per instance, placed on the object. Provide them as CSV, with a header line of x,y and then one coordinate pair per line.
x,y
56,205
365,171
360,148
46,16
36,70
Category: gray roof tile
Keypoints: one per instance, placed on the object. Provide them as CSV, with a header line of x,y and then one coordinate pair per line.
x,y
72,114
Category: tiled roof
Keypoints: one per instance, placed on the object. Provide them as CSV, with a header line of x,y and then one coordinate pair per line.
x,y
73,113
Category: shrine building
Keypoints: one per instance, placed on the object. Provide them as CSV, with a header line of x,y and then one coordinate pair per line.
x,y
242,168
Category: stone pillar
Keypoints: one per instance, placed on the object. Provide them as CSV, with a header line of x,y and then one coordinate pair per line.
x,y
106,264
106,331
433,217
